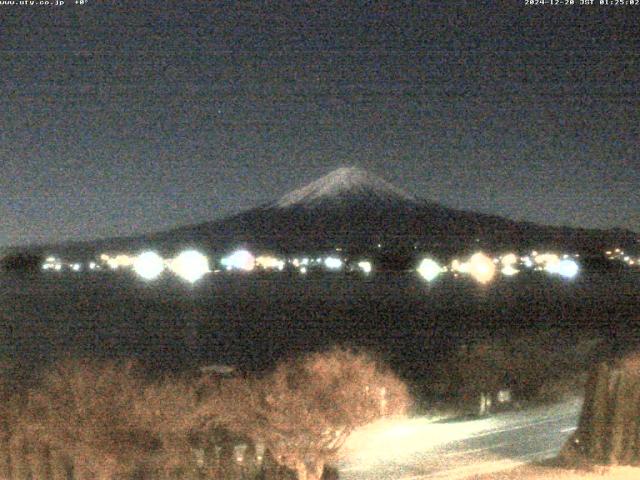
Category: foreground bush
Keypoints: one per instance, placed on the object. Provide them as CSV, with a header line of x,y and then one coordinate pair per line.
x,y
90,421
306,408
84,420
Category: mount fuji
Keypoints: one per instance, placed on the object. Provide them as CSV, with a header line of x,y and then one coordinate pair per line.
x,y
356,210
359,212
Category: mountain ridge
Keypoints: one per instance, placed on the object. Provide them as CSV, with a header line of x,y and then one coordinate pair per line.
x,y
353,208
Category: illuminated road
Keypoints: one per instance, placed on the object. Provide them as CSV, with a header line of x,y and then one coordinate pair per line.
x,y
419,449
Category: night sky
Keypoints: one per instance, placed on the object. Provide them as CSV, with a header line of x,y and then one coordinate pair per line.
x,y
119,118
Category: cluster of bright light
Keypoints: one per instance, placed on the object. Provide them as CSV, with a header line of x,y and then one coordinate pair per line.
x,y
52,263
429,269
239,260
509,270
297,262
481,268
190,265
509,263
548,262
333,263
460,267
56,264
119,261
267,262
620,255
509,259
365,266
149,265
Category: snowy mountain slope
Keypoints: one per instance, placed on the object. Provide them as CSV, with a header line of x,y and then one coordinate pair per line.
x,y
346,183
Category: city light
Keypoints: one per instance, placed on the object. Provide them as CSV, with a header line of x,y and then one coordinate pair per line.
x,y
119,261
190,265
567,268
481,268
429,269
509,259
621,256
457,266
333,263
239,260
365,266
52,263
267,262
509,270
149,265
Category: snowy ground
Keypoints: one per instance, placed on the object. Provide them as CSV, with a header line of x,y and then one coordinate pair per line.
x,y
417,448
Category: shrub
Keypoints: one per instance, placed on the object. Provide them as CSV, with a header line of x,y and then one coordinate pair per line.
x,y
306,408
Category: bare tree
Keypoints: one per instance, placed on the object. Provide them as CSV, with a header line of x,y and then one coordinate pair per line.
x,y
482,369
168,410
306,408
84,411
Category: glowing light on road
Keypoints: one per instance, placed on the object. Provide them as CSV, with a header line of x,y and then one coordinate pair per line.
x,y
398,439
333,263
365,266
482,268
429,269
239,260
190,265
149,265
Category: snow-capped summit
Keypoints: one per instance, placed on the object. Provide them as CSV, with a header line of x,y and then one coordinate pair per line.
x,y
346,182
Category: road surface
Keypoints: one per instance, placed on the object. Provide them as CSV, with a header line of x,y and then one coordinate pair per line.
x,y
418,448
